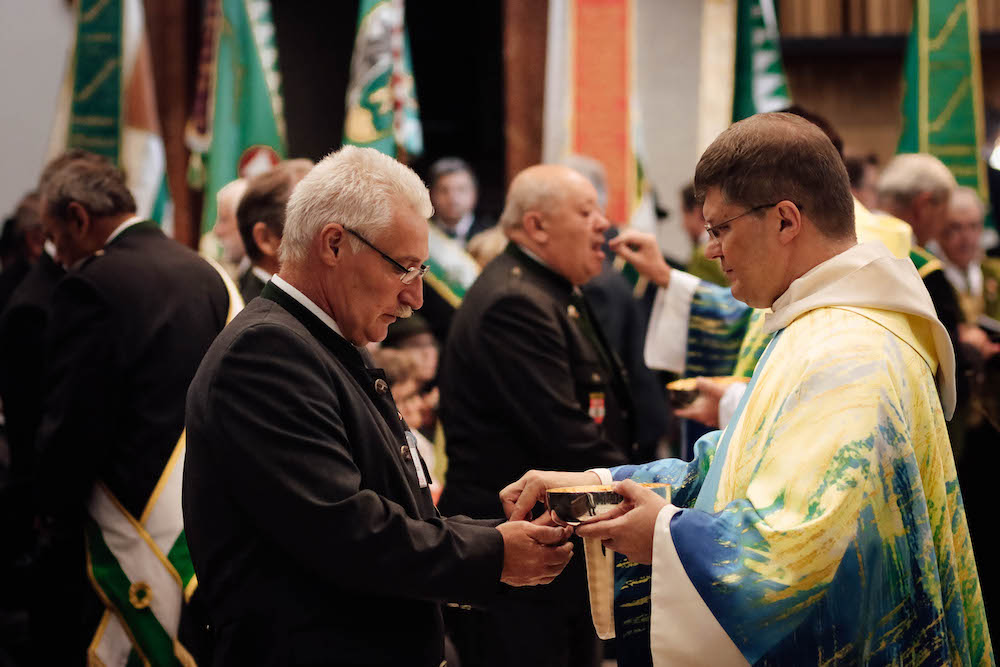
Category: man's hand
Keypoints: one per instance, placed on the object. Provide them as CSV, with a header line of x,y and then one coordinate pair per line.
x,y
518,498
628,529
641,251
705,408
970,334
533,554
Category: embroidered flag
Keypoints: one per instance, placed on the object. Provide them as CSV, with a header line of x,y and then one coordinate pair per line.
x,y
760,84
382,111
943,98
107,103
237,121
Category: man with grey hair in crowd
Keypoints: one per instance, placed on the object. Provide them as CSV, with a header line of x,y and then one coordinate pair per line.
x,y
917,188
128,326
310,520
959,246
226,228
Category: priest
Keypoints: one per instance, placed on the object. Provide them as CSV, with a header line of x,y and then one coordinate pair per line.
x,y
825,524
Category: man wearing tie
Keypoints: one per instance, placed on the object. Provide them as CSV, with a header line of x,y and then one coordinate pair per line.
x,y
528,380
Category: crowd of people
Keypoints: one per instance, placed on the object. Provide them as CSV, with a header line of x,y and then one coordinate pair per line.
x,y
266,455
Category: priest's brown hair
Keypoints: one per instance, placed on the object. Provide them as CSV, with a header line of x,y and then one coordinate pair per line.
x,y
771,157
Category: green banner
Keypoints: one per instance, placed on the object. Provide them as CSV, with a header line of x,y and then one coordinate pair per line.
x,y
760,84
95,121
943,99
238,117
381,110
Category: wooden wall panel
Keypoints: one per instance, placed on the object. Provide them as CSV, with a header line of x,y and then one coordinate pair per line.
x,y
860,96
173,29
525,27
860,93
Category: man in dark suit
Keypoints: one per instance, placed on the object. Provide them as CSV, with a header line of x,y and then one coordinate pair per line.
x,y
23,325
129,325
261,221
529,380
22,364
21,242
454,194
307,506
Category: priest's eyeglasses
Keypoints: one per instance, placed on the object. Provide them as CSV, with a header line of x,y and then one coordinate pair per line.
x,y
407,275
714,231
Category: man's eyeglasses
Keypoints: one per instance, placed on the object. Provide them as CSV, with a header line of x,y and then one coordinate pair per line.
x,y
408,275
714,230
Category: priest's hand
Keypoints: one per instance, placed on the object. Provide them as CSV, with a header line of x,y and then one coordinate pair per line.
x,y
518,498
628,529
643,252
533,554
705,408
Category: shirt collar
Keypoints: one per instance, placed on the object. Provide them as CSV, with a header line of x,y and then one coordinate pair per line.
x,y
463,226
263,275
306,302
534,256
134,220
460,230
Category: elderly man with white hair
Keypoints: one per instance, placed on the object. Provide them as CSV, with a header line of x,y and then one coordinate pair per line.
x,y
310,523
975,277
917,188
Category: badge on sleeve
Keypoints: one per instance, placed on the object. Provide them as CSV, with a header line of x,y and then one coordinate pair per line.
x,y
596,410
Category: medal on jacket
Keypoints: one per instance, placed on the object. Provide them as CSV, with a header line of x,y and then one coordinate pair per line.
x,y
596,410
418,465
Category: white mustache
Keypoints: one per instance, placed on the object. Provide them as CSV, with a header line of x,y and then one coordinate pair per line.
x,y
402,312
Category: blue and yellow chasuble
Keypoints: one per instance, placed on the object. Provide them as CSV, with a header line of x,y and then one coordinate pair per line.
x,y
825,525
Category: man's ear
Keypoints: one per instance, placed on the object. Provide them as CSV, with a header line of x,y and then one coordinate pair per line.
x,y
923,205
331,240
266,240
789,221
78,220
535,227
35,240
922,199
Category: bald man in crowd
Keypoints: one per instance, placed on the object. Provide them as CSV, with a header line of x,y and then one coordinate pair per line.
x,y
528,380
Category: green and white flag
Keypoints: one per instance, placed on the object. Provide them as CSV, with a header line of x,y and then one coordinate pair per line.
x,y
943,99
451,270
237,126
107,103
141,569
760,84
382,111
